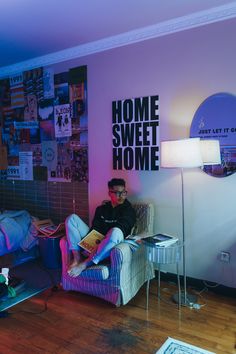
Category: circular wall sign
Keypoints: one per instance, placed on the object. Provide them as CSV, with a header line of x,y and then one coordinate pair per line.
x,y
215,118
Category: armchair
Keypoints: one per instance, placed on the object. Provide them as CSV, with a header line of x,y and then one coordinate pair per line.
x,y
118,279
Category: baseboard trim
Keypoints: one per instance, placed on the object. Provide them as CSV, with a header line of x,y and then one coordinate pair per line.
x,y
199,284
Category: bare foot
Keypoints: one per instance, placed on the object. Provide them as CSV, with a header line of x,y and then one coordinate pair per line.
x,y
77,269
75,263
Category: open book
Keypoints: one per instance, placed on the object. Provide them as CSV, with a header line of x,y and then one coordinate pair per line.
x,y
46,227
91,241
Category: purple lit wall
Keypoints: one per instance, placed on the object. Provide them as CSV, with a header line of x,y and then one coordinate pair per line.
x,y
183,69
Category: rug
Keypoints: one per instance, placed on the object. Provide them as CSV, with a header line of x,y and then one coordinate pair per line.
x,y
36,278
174,346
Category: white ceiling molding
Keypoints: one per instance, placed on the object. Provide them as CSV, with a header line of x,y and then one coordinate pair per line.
x,y
201,18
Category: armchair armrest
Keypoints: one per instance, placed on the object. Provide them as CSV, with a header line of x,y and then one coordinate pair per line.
x,y
65,254
120,256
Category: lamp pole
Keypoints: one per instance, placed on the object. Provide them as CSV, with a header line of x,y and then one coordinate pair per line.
x,y
183,233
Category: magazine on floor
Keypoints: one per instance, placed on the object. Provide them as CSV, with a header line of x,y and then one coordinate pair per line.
x,y
91,241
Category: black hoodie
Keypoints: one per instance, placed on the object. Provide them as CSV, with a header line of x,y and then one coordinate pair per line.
x,y
122,216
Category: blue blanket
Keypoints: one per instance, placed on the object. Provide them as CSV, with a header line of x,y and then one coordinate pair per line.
x,y
15,230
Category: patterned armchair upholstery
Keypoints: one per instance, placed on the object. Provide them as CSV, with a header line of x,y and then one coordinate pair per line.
x,y
118,279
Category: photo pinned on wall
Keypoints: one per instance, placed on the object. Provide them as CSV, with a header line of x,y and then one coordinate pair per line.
x,y
49,154
61,89
3,175
46,110
17,90
47,131
33,83
5,94
13,160
31,108
24,147
24,136
34,136
7,116
62,170
14,141
13,172
79,137
77,99
79,165
26,165
40,173
18,114
37,154
62,120
48,83
61,94
3,157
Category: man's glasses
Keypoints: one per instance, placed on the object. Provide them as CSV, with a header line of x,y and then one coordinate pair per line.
x,y
119,194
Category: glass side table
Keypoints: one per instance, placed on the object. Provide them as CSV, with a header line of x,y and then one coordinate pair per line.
x,y
160,255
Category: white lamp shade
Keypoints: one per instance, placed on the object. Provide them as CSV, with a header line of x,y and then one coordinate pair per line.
x,y
210,150
184,153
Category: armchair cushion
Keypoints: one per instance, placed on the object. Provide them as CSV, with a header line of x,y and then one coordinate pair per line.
x,y
96,272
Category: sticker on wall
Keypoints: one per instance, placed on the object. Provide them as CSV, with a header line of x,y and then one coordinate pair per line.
x,y
135,129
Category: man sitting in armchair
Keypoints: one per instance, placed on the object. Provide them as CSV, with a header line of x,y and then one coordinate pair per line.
x,y
114,219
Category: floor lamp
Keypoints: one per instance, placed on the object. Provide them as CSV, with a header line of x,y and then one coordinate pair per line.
x,y
210,151
188,153
182,154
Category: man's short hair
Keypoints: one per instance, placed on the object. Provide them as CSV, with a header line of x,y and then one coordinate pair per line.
x,y
116,182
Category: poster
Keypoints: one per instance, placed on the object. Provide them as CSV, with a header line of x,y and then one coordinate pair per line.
x,y
13,172
49,154
215,120
17,90
3,157
61,172
48,83
26,165
62,120
45,110
135,129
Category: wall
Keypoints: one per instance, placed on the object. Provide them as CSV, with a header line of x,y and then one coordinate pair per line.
x,y
184,69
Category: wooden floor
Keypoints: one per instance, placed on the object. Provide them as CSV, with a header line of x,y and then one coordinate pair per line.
x,y
77,323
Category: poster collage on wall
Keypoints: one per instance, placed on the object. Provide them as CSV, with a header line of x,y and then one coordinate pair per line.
x,y
43,126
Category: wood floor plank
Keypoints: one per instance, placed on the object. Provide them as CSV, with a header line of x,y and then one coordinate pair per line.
x,y
77,323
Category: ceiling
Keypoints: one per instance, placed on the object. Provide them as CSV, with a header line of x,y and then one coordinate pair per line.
x,y
35,28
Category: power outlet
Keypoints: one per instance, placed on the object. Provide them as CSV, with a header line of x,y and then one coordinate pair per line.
x,y
224,257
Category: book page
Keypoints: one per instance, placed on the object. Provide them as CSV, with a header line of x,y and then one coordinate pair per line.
x,y
91,242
